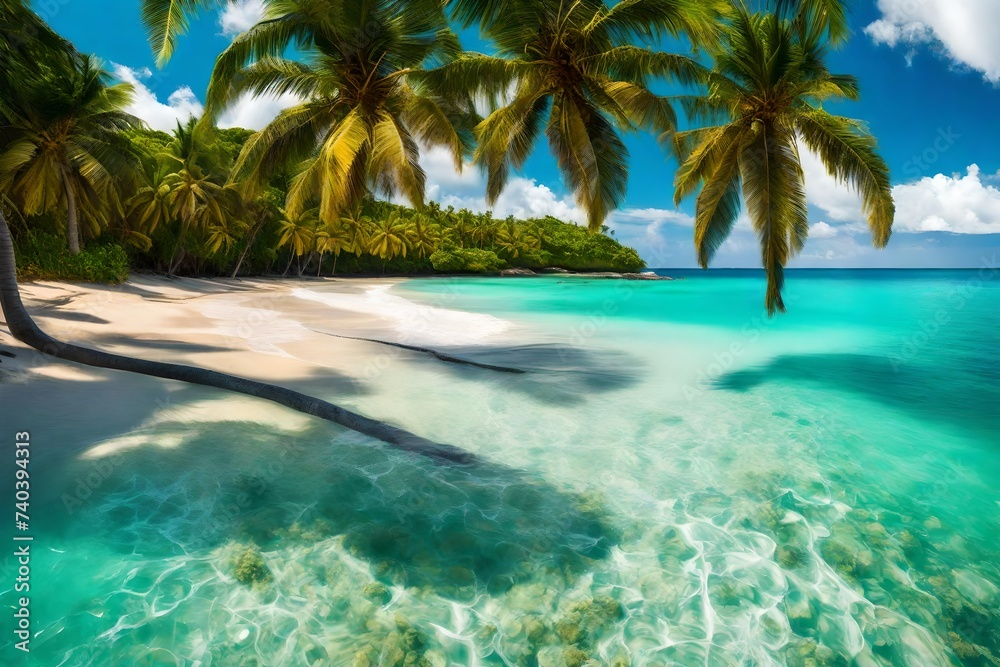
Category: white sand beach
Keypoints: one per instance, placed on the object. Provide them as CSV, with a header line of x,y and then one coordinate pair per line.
x,y
292,333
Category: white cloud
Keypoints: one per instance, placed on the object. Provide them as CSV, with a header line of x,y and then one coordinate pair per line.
x,y
966,29
968,204
522,198
254,113
527,198
956,203
822,230
840,202
240,16
180,106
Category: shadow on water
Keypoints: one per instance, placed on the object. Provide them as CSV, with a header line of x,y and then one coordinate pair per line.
x,y
961,394
554,374
460,530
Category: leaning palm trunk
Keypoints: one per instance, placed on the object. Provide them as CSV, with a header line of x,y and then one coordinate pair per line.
x,y
24,329
246,250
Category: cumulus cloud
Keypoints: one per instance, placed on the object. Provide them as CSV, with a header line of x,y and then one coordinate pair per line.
x,y
523,197
527,198
839,202
240,16
958,204
822,230
254,113
180,106
965,29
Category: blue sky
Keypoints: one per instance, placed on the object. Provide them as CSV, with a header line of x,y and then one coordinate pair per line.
x,y
930,80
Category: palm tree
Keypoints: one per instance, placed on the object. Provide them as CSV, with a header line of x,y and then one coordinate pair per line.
x,y
297,231
824,16
483,229
423,235
387,238
359,128
570,67
513,239
767,86
63,145
334,239
197,195
150,206
25,41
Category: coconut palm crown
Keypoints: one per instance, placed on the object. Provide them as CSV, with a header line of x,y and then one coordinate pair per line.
x,y
767,88
62,142
362,120
571,69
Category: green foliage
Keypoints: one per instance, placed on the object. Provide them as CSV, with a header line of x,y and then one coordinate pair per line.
x,y
44,256
767,88
466,260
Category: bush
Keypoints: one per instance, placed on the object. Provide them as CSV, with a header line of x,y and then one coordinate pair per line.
x,y
42,256
466,260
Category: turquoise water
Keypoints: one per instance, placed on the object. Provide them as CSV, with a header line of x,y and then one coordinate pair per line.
x,y
675,480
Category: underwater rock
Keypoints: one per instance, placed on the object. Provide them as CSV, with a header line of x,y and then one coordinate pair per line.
x,y
589,619
249,567
792,557
377,593
366,657
253,488
574,657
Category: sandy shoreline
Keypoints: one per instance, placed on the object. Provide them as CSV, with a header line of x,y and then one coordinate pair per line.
x,y
285,332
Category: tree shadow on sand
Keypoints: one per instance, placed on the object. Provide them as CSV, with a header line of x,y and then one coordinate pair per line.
x,y
552,374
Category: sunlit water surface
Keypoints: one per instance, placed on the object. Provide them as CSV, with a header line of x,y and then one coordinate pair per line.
x,y
675,480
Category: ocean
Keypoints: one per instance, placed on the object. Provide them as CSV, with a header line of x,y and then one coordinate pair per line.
x,y
673,479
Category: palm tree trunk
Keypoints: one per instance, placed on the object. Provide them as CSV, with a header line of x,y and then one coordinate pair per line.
x,y
246,250
319,268
291,258
336,256
24,329
176,259
72,216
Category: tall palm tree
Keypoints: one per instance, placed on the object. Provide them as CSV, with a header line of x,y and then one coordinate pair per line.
x,y
423,235
149,207
364,114
571,68
63,142
767,88
387,238
197,195
333,239
298,231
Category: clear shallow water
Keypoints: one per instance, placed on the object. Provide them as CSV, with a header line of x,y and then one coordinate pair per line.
x,y
676,480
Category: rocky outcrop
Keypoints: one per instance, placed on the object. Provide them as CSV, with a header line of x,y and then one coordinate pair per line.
x,y
518,272
644,276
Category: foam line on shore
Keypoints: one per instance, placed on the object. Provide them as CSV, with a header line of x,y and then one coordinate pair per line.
x,y
415,322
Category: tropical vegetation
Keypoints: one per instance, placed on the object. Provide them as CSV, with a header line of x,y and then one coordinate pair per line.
x,y
319,191
767,88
